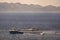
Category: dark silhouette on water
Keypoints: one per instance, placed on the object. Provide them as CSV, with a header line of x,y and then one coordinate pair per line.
x,y
15,32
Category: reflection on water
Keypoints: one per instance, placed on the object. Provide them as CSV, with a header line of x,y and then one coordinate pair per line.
x,y
41,21
5,35
27,20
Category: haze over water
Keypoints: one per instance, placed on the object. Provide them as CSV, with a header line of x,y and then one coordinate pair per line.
x,y
43,21
28,20
23,14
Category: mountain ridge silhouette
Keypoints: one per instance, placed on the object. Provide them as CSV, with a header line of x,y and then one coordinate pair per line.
x,y
25,7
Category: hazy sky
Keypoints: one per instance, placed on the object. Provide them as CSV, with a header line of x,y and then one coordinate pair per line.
x,y
40,2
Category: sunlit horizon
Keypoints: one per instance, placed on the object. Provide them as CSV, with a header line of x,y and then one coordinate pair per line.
x,y
35,2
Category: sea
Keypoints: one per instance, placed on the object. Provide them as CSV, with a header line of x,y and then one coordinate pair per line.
x,y
42,21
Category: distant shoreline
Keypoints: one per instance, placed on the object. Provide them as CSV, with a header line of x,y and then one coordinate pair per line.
x,y
29,11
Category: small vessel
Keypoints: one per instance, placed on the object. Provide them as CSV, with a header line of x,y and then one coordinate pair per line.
x,y
15,32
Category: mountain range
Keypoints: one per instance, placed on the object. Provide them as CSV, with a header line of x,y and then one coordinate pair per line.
x,y
18,7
